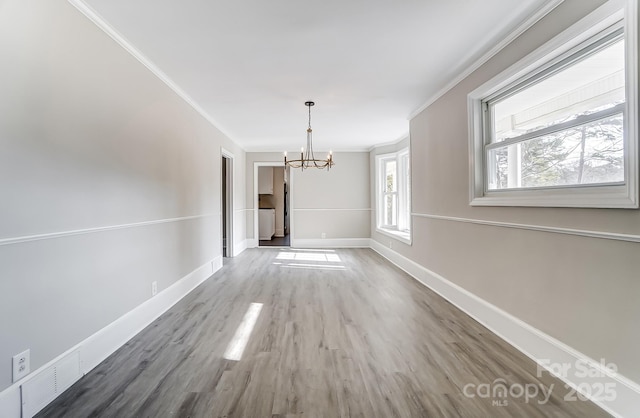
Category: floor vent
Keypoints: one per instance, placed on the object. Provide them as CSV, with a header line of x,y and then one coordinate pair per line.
x,y
43,388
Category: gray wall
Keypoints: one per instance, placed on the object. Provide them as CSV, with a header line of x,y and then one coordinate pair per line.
x,y
336,202
89,138
583,291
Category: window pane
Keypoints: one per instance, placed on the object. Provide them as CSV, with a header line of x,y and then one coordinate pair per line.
x,y
586,154
390,210
591,84
390,176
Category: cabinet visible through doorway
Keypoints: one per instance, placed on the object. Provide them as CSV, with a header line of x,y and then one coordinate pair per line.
x,y
267,222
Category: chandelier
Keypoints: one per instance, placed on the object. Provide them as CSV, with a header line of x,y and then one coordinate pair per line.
x,y
307,159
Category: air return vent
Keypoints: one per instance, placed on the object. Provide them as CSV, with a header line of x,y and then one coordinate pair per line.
x,y
46,385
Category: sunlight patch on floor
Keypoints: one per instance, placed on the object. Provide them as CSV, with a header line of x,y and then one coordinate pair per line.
x,y
315,266
291,255
309,259
238,343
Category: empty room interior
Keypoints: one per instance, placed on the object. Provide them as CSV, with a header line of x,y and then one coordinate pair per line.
x,y
319,208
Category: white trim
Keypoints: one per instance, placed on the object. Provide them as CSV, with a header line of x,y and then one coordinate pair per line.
x,y
230,184
403,191
226,153
631,118
544,10
542,228
253,243
400,236
611,197
331,243
592,196
529,340
100,22
27,238
390,143
97,347
239,247
10,402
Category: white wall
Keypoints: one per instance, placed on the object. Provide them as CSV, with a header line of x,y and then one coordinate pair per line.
x,y
581,290
109,181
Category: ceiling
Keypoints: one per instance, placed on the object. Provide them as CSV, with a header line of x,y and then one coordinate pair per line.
x,y
368,64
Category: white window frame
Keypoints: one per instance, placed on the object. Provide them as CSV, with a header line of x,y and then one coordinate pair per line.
x,y
402,231
597,196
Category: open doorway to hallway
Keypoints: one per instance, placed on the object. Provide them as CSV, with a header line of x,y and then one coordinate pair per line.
x,y
274,205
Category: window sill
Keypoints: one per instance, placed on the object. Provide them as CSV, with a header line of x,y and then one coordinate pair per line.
x,y
400,236
614,196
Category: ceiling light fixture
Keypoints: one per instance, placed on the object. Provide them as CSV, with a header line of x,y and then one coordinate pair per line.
x,y
307,159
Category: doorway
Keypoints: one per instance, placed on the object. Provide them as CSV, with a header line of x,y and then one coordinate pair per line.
x,y
227,203
272,225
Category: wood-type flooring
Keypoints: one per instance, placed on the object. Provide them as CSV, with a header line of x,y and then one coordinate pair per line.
x,y
341,333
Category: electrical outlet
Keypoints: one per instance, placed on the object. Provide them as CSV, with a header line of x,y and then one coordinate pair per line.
x,y
21,365
154,288
323,235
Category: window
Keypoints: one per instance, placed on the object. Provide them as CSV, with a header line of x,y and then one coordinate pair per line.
x,y
558,128
393,194
565,129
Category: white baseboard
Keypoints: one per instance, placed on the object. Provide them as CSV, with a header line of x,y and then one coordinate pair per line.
x,y
216,264
238,248
97,347
10,402
331,243
540,347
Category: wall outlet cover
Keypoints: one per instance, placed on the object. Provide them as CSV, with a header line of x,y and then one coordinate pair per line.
x,y
21,365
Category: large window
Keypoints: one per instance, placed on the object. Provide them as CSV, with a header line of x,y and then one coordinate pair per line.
x,y
394,194
561,131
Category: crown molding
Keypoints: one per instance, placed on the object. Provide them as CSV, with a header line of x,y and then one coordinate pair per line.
x,y
541,12
101,23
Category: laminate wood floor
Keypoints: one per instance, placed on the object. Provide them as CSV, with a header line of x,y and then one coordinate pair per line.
x,y
340,333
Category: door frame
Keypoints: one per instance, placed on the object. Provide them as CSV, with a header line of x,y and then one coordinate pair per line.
x,y
256,208
228,221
